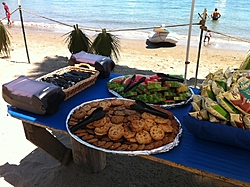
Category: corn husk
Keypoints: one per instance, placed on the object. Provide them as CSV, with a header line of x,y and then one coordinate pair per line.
x,y
246,120
215,109
236,120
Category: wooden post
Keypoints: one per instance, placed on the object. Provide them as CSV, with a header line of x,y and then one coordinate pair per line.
x,y
24,37
188,40
86,158
43,139
202,27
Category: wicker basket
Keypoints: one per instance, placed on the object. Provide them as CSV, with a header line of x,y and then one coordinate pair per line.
x,y
79,86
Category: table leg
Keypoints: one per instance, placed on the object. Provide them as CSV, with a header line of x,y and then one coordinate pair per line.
x,y
45,140
88,159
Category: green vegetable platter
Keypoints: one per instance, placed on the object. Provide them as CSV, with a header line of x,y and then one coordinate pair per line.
x,y
153,90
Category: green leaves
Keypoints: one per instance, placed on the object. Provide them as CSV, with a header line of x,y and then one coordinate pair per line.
x,y
4,40
77,40
104,44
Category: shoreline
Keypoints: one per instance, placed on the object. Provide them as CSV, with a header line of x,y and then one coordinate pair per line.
x,y
222,42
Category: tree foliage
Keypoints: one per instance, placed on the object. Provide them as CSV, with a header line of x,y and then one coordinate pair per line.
x,y
77,41
4,40
104,44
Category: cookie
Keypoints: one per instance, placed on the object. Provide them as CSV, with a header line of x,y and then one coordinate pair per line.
x,y
90,126
100,143
89,112
130,112
127,103
80,131
141,147
91,105
148,123
119,108
72,121
146,115
88,137
117,119
128,133
105,104
80,134
136,125
149,146
92,140
101,122
166,127
90,131
116,102
143,137
115,146
123,147
133,117
119,113
159,119
132,140
116,132
158,143
167,139
157,133
103,129
107,145
79,114
132,147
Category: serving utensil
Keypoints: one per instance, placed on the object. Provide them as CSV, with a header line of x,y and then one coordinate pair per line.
x,y
134,85
94,116
130,82
167,77
143,107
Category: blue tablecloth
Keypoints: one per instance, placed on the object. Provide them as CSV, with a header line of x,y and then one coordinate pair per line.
x,y
216,158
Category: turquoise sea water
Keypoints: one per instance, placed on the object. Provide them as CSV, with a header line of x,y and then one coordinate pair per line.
x,y
133,14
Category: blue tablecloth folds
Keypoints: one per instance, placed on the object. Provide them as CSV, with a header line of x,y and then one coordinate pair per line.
x,y
223,100
217,132
192,152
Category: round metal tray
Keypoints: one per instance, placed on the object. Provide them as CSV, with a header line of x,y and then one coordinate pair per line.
x,y
166,106
164,148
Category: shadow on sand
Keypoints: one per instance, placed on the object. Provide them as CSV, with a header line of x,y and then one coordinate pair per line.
x,y
158,45
56,62
121,171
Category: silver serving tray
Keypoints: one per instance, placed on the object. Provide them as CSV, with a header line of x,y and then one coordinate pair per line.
x,y
164,148
166,106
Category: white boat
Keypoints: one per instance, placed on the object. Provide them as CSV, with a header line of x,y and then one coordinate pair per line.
x,y
162,34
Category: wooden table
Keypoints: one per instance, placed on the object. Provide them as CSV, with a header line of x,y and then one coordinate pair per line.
x,y
211,159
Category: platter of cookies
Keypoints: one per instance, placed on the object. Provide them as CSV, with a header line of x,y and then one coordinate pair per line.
x,y
122,126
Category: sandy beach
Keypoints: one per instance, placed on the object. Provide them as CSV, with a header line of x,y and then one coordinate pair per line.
x,y
24,165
